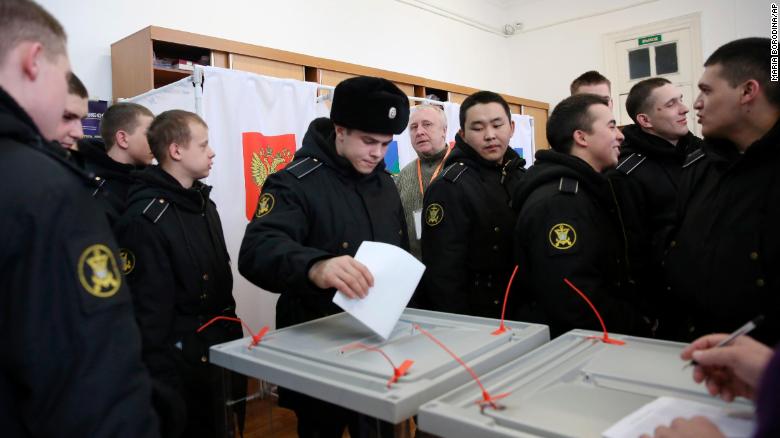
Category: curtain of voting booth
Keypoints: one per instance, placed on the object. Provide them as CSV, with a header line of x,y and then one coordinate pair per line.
x,y
256,123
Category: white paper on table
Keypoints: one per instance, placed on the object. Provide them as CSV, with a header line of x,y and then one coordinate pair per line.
x,y
396,274
733,423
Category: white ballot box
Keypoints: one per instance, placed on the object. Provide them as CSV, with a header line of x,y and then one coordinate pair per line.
x,y
574,386
316,358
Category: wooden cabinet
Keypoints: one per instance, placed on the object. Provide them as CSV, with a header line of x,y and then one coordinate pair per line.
x,y
134,70
266,67
540,125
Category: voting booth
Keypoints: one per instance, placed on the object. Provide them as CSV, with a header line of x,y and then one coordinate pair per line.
x,y
574,386
321,359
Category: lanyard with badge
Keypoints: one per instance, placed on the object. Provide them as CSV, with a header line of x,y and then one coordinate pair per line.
x,y
418,213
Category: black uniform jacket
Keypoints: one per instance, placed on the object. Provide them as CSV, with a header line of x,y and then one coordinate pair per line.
x,y
722,265
569,227
70,360
113,178
647,180
467,234
316,208
179,271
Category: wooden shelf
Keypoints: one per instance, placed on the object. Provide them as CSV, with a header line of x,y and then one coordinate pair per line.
x,y
133,72
164,76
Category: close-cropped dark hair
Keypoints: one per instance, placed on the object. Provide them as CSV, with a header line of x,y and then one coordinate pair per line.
x,y
591,77
571,114
25,20
481,97
76,87
638,100
122,116
170,127
745,59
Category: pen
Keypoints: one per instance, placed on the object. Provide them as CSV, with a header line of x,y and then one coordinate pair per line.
x,y
745,329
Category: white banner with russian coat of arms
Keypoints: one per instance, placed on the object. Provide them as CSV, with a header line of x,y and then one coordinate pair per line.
x,y
256,123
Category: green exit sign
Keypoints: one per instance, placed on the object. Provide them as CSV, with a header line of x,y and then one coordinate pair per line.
x,y
649,39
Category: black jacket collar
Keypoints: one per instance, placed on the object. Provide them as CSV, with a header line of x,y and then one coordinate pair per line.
x,y
92,153
16,124
154,182
726,152
639,141
552,166
466,154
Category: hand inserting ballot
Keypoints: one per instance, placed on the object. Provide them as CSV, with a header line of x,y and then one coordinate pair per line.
x,y
344,273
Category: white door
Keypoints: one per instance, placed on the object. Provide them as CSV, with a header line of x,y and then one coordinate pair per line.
x,y
667,49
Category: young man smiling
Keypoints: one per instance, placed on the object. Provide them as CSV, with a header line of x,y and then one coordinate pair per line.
x,y
570,226
70,129
647,177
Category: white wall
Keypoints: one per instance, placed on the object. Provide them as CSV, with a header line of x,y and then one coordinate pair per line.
x,y
379,33
569,49
538,63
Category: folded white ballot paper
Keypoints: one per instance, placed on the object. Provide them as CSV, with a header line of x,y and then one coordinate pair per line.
x,y
396,274
734,422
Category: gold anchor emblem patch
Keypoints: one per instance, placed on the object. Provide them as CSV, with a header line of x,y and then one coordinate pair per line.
x,y
434,215
98,271
265,204
128,260
563,236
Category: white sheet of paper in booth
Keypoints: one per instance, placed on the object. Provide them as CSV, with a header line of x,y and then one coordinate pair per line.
x,y
396,274
733,421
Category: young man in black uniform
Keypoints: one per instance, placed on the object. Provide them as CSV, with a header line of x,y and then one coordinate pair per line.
x,y
570,226
722,264
313,215
70,129
592,82
647,179
468,218
69,349
122,149
179,270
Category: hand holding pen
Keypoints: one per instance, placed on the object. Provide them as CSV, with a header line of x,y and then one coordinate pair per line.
x,y
730,369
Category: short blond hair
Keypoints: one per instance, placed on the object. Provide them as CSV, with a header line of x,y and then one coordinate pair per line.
x,y
172,126
25,20
437,108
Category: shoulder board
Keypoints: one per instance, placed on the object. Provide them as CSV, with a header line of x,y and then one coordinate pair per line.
x,y
99,182
630,163
155,209
693,157
454,171
568,185
304,167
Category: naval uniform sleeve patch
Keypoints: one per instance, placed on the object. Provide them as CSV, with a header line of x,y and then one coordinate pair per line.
x,y
265,204
98,272
127,260
434,214
562,238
